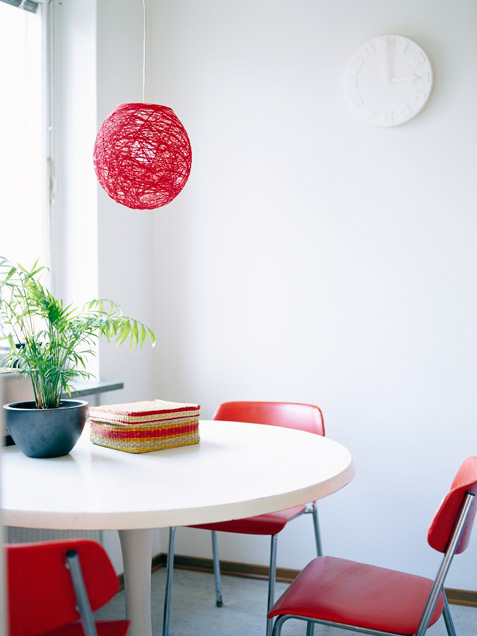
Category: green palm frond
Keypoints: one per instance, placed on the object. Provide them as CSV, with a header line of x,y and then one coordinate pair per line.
x,y
50,342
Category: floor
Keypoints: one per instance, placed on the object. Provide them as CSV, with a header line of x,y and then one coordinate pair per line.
x,y
194,612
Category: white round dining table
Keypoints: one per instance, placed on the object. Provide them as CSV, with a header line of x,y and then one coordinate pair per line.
x,y
237,470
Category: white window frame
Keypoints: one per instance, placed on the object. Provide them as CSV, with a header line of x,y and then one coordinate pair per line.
x,y
43,9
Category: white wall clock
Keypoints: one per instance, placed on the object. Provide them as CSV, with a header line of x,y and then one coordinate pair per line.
x,y
388,80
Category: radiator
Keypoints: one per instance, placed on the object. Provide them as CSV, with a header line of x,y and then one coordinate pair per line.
x,y
30,535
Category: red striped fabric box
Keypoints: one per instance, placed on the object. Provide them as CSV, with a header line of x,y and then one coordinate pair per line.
x,y
141,427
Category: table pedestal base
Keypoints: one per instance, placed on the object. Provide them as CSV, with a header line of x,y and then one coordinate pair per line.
x,y
136,547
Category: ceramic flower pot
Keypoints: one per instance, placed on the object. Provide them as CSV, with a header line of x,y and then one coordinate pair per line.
x,y
46,432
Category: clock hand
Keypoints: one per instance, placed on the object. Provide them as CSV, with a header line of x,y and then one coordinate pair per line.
x,y
399,79
386,61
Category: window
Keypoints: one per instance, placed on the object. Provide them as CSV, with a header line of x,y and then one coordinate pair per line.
x,y
23,204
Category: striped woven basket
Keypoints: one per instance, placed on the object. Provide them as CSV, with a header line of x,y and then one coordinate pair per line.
x,y
140,427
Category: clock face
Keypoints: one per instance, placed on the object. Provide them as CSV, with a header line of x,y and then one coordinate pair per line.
x,y
388,80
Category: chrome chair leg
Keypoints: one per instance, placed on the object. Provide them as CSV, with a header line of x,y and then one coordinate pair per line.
x,y
277,627
169,573
316,525
447,617
218,587
84,607
310,628
272,574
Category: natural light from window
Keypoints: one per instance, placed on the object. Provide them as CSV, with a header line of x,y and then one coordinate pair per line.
x,y
23,229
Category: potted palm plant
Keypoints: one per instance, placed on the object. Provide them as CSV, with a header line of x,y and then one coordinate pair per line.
x,y
50,343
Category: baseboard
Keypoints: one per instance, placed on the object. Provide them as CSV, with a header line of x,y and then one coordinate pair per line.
x,y
248,570
461,597
284,575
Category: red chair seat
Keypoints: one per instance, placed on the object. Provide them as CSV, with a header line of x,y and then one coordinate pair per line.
x,y
262,524
104,628
41,594
359,595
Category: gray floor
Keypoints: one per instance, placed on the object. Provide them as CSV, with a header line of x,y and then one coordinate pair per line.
x,y
194,612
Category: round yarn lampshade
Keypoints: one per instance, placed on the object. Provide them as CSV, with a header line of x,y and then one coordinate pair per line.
x,y
142,155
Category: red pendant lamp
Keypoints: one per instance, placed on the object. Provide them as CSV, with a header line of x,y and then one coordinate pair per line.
x,y
142,154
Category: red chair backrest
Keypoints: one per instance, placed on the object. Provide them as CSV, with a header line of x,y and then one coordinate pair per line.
x,y
303,417
40,591
442,525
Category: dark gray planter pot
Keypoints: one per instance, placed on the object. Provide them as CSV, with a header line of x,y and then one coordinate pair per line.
x,y
46,432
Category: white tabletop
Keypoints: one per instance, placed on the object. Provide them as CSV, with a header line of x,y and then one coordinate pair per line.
x,y
237,470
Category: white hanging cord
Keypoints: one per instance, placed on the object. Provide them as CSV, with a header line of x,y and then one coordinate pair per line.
x,y
144,55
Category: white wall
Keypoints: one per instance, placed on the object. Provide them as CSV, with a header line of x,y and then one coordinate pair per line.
x,y
74,220
105,249
310,257
314,258
124,235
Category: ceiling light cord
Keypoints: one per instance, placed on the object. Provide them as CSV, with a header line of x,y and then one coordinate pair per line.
x,y
144,55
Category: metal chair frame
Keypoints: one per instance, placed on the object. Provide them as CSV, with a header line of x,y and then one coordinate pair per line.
x,y
436,590
166,621
84,607
311,509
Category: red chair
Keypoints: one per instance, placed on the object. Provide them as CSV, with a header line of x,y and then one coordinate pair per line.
x,y
304,417
373,600
54,587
